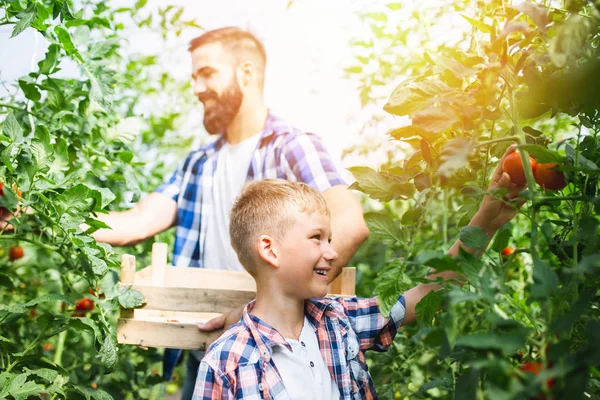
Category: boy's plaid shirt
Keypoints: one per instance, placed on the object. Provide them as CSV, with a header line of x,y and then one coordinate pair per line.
x,y
239,364
282,152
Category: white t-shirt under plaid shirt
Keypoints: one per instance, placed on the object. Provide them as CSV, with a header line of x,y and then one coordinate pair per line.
x,y
282,152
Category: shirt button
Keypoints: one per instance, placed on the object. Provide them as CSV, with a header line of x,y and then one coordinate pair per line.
x,y
312,364
261,387
303,344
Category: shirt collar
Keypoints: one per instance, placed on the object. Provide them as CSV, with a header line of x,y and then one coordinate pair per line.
x,y
274,126
266,336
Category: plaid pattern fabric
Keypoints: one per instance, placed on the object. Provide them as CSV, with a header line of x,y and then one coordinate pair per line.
x,y
239,364
282,152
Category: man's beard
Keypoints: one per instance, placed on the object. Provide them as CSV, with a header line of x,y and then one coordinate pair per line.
x,y
221,109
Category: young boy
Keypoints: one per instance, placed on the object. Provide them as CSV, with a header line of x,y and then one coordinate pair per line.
x,y
292,343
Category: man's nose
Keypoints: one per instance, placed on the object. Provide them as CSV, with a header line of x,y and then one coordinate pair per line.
x,y
199,86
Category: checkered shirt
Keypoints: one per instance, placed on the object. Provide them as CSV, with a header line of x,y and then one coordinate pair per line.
x,y
239,364
282,152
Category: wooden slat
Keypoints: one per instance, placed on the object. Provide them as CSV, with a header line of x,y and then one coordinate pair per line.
x,y
200,278
192,299
164,334
159,263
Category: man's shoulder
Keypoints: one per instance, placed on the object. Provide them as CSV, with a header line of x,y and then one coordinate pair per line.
x,y
284,132
234,347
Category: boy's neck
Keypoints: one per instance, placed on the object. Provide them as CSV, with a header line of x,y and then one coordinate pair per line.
x,y
281,312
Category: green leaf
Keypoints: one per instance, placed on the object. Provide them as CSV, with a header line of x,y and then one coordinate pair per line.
x,y
478,24
30,90
26,18
537,13
100,93
502,238
64,37
84,323
457,295
74,200
569,42
108,352
467,384
12,129
394,6
5,340
434,119
542,154
20,389
471,266
508,342
383,227
473,236
411,216
428,307
455,155
45,373
48,297
410,96
130,298
544,278
380,186
50,62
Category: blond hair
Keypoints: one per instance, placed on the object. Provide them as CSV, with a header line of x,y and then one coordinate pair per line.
x,y
266,207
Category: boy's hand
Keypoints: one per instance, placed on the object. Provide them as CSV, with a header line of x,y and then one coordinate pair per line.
x,y
494,212
223,321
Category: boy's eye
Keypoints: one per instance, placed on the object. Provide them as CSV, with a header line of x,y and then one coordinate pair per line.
x,y
318,237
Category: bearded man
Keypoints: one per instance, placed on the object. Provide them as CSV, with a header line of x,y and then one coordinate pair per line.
x,y
228,72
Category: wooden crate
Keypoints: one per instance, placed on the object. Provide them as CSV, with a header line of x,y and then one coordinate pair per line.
x,y
176,299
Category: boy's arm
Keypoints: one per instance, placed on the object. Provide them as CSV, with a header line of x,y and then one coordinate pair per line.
x,y
209,386
491,216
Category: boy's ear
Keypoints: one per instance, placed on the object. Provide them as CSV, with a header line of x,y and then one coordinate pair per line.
x,y
267,251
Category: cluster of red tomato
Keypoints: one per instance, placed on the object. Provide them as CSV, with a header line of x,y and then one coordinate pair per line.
x,y
546,174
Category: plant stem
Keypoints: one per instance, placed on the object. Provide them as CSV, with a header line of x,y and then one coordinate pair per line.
x,y
32,241
62,337
499,140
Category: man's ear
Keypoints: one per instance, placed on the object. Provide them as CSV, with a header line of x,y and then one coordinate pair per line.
x,y
245,73
265,245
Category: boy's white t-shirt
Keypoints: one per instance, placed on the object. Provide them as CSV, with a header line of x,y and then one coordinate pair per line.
x,y
303,371
230,175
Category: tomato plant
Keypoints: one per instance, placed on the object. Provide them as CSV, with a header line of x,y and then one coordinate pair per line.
x,y
523,74
78,139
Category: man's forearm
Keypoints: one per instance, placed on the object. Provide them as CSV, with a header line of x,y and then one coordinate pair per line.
x,y
127,228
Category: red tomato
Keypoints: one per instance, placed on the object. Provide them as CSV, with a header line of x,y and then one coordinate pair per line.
x,y
84,304
513,166
548,177
15,253
508,251
535,367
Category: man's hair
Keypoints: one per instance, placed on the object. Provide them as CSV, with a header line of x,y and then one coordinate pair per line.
x,y
266,207
240,42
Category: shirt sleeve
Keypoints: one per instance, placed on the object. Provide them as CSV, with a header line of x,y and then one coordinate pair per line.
x,y
374,331
172,186
306,160
209,386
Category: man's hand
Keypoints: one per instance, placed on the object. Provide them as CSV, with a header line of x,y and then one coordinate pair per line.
x,y
494,212
223,321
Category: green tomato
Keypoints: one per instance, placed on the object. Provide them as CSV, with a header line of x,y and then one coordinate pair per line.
x,y
172,388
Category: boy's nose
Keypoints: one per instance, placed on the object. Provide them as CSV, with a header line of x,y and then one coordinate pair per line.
x,y
329,253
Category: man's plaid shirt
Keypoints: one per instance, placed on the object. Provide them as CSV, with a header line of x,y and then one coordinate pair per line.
x,y
282,152
239,364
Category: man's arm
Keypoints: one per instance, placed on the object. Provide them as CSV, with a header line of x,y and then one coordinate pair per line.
x,y
348,226
152,215
491,216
